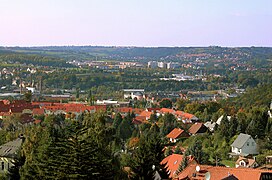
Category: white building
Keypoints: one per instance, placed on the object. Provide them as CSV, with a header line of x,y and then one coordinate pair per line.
x,y
133,93
152,64
8,152
172,65
244,145
161,64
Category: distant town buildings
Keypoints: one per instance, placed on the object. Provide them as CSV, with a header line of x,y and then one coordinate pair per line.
x,y
165,65
134,93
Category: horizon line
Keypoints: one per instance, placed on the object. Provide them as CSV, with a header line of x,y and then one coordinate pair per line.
x,y
133,46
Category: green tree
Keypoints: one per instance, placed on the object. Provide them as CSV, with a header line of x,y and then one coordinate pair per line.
x,y
224,127
257,125
145,160
117,120
196,150
169,122
28,96
184,162
126,128
166,103
181,104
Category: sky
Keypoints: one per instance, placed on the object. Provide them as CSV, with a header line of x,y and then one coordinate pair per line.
x,y
149,23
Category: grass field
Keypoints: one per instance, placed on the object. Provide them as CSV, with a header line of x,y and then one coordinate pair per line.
x,y
228,163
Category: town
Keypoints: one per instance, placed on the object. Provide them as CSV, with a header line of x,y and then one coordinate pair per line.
x,y
193,122
135,90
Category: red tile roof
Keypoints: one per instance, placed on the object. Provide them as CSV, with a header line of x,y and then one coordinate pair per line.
x,y
72,107
37,111
249,162
139,120
175,133
167,110
146,114
179,113
37,121
217,173
153,109
197,128
5,114
172,163
187,115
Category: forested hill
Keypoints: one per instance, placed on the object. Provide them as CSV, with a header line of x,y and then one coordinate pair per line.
x,y
146,53
258,96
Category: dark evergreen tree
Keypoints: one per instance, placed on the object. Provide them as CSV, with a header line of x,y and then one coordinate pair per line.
x,y
257,125
233,125
117,120
124,131
153,118
177,150
79,150
166,103
224,127
13,172
169,122
184,162
146,158
196,150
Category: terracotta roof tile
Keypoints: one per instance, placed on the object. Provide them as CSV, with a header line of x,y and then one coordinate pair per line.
x,y
175,133
172,163
217,173
37,111
195,128
167,110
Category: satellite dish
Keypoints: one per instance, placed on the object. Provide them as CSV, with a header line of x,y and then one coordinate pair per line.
x,y
197,168
207,176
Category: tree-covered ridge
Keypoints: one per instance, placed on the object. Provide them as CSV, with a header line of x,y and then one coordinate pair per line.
x,y
146,53
29,59
258,96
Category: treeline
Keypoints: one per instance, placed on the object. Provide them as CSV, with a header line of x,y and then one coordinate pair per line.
x,y
35,60
91,147
147,53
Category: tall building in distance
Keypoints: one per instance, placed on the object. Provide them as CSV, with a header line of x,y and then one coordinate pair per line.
x,y
162,65
152,64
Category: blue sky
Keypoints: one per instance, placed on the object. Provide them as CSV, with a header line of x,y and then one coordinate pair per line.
x,y
136,22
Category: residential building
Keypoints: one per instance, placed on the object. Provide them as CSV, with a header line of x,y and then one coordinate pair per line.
x,y
152,64
244,145
246,163
176,134
198,128
204,172
161,64
8,152
132,93
172,65
172,163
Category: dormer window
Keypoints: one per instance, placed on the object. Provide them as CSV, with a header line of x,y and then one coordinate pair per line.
x,y
253,144
175,162
247,143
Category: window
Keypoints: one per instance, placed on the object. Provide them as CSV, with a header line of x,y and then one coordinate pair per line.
x,y
175,162
247,143
3,165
